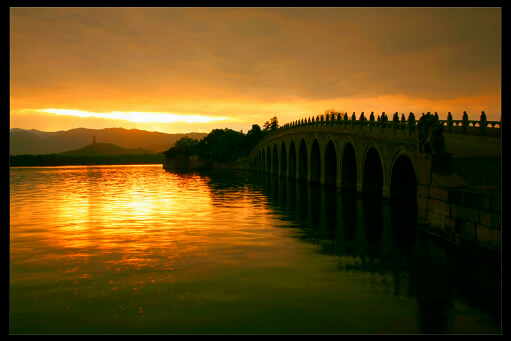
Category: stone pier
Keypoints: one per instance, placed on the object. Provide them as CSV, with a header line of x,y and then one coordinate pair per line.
x,y
452,208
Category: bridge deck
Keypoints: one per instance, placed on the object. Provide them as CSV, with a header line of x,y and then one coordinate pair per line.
x,y
477,159
461,145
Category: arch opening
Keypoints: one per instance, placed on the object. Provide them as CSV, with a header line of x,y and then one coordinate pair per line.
x,y
302,161
403,182
372,179
330,165
260,162
283,160
275,161
349,169
292,160
263,161
268,160
315,163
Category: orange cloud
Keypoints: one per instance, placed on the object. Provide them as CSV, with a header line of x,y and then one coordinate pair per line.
x,y
252,64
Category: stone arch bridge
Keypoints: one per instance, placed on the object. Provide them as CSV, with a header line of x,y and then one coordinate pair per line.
x,y
371,157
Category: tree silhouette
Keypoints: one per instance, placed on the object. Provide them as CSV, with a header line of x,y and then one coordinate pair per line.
x,y
271,125
186,141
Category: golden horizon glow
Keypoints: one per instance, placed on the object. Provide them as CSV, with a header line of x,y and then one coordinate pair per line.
x,y
138,117
183,70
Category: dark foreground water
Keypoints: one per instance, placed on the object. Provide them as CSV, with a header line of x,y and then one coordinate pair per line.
x,y
136,249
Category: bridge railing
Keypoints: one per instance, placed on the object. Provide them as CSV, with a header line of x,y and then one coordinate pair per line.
x,y
472,127
399,127
482,126
404,129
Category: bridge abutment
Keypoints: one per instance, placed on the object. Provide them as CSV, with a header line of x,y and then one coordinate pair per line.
x,y
450,208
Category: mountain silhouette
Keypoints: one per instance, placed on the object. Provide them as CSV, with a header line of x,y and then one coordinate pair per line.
x,y
105,149
36,142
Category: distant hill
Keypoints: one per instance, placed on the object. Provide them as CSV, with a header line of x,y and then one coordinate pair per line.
x,y
26,142
105,149
35,142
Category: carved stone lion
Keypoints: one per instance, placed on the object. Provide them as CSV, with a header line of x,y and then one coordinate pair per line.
x,y
431,139
435,143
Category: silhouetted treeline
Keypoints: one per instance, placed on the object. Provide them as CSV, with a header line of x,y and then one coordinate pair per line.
x,y
224,145
59,160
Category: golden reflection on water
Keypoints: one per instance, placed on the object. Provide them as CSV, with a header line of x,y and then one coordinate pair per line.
x,y
99,212
96,219
120,249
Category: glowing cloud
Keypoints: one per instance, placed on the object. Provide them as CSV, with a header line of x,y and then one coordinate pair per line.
x,y
139,117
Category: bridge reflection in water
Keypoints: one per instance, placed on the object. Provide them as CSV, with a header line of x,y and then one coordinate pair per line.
x,y
379,241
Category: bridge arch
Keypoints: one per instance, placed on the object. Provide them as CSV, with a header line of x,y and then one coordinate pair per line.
x,y
268,160
275,160
283,159
403,176
330,163
315,176
261,160
365,160
349,169
372,169
302,160
292,159
258,157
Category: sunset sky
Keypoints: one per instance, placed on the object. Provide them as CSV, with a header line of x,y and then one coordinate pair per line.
x,y
180,70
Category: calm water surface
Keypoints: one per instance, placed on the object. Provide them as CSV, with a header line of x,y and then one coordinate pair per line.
x,y
137,249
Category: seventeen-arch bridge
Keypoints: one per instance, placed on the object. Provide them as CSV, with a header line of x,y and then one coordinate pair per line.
x,y
372,157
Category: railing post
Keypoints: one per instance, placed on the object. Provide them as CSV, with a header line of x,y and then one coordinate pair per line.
x,y
465,122
411,122
449,122
395,120
483,122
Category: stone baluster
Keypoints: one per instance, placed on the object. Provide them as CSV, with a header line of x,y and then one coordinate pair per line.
x,y
362,119
411,123
483,122
465,122
395,120
449,122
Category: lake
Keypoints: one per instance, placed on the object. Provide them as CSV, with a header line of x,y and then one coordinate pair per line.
x,y
137,249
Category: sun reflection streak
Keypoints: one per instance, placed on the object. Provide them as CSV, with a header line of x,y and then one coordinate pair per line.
x,y
131,223
102,224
